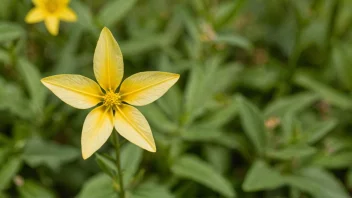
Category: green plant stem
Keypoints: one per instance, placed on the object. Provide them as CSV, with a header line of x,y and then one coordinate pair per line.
x,y
118,164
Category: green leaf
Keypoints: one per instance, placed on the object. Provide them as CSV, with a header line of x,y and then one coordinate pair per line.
x,y
221,116
32,189
99,185
38,152
85,17
115,10
349,178
318,183
235,141
142,45
200,133
253,124
106,164
289,104
327,93
234,40
10,31
151,189
191,167
131,157
291,151
341,61
319,130
261,177
171,103
158,119
8,170
13,99
219,157
31,77
194,91
337,160
227,11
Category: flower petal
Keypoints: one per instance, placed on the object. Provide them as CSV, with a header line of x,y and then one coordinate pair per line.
x,y
67,14
97,128
35,15
76,90
146,87
38,3
108,62
132,125
52,24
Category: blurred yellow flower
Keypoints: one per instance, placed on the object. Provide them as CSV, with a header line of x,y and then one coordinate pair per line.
x,y
51,12
115,109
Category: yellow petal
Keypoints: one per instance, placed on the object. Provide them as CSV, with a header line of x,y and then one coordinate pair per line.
x,y
38,3
132,125
52,24
108,62
145,87
35,15
96,130
67,14
76,90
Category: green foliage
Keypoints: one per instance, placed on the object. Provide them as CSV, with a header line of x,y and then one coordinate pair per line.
x,y
262,108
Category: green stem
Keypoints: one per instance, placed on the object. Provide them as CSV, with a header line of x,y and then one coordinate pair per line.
x,y
118,164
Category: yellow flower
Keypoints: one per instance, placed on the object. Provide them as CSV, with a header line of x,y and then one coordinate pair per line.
x,y
51,12
115,109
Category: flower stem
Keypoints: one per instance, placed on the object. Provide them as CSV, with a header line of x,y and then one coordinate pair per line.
x,y
118,164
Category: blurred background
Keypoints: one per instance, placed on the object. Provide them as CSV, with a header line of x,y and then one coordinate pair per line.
x,y
263,107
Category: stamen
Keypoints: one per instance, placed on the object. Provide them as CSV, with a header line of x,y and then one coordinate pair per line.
x,y
52,5
112,99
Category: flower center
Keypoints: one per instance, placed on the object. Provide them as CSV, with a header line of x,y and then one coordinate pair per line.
x,y
52,5
111,99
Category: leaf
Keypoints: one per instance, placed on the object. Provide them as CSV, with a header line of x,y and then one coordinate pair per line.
x,y
106,164
318,183
99,185
115,10
327,93
253,124
235,141
200,133
170,103
339,160
261,177
289,104
291,151
151,189
229,11
157,118
319,130
85,17
31,189
219,157
234,40
349,178
13,99
139,46
221,116
10,31
341,62
191,167
8,170
38,152
131,157
31,77
194,91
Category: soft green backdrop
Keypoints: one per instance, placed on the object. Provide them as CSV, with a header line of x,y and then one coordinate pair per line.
x,y
263,107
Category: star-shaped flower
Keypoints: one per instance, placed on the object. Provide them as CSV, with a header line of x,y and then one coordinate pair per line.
x,y
115,107
51,12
